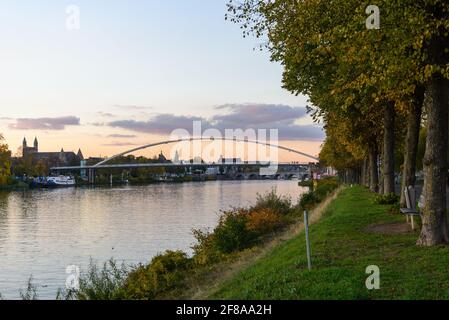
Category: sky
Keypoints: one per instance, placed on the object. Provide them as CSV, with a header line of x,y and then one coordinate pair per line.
x,y
130,72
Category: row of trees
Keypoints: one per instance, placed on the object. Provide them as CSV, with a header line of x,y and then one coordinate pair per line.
x,y
371,87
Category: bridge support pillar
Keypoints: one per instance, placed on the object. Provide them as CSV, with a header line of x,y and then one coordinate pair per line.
x,y
91,176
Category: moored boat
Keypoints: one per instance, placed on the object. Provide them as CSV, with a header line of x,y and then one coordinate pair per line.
x,y
58,181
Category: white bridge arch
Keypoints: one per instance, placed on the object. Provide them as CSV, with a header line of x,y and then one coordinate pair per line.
x,y
204,139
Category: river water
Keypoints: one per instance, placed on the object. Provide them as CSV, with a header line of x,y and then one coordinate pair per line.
x,y
44,231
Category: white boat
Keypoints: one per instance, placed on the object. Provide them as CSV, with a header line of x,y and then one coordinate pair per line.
x,y
60,181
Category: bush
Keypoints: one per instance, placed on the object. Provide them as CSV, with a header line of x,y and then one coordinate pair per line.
x,y
165,272
270,200
323,188
308,200
100,284
264,221
112,282
205,251
386,199
231,233
307,183
240,229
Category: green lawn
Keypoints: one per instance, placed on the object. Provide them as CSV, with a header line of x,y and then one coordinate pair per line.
x,y
342,249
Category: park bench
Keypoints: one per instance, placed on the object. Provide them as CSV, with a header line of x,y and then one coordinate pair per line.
x,y
411,211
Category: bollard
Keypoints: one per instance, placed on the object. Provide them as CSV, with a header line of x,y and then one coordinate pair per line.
x,y
306,227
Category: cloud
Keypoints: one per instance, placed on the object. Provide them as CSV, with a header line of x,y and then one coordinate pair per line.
x,y
106,114
122,136
238,116
132,107
159,124
250,115
58,123
119,144
268,116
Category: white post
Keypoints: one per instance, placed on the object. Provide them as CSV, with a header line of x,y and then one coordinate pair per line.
x,y
306,226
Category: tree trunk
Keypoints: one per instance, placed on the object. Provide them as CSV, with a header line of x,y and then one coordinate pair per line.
x,y
388,154
373,176
381,176
363,173
411,142
434,221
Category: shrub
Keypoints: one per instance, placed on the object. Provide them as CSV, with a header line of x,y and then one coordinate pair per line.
x,y
165,272
264,221
308,200
390,198
205,251
240,229
231,233
270,200
325,187
307,183
104,283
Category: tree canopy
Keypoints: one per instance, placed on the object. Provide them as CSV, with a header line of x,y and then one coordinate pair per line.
x,y
367,84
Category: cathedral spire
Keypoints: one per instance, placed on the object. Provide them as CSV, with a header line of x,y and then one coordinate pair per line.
x,y
80,154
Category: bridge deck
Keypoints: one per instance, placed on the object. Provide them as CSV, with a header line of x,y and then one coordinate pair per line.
x,y
173,165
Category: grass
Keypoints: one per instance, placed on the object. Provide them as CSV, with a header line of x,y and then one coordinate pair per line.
x,y
342,249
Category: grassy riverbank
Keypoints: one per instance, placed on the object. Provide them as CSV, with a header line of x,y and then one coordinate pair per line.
x,y
241,236
353,234
259,253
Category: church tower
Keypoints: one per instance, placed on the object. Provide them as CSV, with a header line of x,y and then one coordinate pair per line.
x,y
80,154
176,158
24,143
62,156
36,145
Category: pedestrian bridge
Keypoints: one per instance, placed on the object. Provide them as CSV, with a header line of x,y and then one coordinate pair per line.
x,y
104,163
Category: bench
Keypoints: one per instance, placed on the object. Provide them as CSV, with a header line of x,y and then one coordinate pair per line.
x,y
411,211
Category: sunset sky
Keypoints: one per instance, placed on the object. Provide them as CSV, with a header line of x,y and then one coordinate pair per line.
x,y
135,71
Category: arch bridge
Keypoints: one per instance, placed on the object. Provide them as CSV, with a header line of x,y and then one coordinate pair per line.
x,y
104,163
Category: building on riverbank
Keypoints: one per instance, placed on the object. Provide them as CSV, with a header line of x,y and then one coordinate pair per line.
x,y
33,162
62,157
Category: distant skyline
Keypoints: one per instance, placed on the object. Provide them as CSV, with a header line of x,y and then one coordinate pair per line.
x,y
135,71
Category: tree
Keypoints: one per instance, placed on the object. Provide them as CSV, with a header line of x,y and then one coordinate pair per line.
x,y
411,142
41,168
328,54
5,162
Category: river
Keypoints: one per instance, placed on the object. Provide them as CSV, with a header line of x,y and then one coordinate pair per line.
x,y
44,231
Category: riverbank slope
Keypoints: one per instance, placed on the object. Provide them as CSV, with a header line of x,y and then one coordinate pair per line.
x,y
353,234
